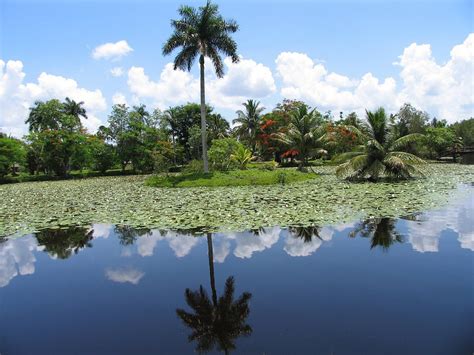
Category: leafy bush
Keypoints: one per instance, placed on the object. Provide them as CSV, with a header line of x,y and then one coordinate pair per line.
x,y
220,153
194,167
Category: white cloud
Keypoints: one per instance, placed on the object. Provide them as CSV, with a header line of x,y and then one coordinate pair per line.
x,y
119,98
443,90
243,80
16,97
306,80
124,275
111,50
116,71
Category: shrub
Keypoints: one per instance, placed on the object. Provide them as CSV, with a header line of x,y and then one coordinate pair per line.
x,y
220,153
242,157
194,167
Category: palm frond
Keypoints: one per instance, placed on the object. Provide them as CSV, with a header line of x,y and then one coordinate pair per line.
x,y
405,140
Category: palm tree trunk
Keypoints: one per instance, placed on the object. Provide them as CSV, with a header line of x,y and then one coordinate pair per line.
x,y
210,254
203,117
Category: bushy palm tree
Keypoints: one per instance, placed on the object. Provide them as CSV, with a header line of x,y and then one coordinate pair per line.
x,y
74,108
248,121
216,322
380,155
202,32
304,133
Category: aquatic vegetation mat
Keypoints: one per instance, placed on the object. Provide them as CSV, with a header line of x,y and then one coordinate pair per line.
x,y
125,200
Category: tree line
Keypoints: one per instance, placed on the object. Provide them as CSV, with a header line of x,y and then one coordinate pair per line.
x,y
141,140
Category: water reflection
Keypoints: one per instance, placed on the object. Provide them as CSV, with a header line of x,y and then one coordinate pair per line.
x,y
422,232
62,243
382,232
216,322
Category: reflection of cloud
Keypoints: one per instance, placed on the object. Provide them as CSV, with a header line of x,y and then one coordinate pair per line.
x,y
16,257
221,248
102,230
298,247
146,244
467,240
124,275
181,244
247,244
424,236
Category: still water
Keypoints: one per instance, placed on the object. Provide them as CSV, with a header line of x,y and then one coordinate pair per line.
x,y
380,286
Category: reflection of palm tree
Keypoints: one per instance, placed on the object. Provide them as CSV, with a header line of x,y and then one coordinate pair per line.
x,y
216,322
382,232
62,243
305,233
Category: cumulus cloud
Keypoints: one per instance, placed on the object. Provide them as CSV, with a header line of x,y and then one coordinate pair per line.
x,y
443,90
119,98
113,51
242,80
116,71
306,80
124,275
16,97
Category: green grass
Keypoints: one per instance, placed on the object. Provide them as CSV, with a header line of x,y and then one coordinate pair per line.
x,y
230,178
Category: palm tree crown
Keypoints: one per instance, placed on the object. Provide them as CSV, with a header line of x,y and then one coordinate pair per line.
x,y
248,121
74,108
202,32
305,131
381,153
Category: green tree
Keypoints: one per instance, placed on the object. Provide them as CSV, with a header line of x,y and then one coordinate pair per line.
x,y
221,151
12,152
380,155
465,130
248,123
439,141
202,32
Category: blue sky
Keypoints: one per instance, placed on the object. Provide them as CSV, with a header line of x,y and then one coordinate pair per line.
x,y
349,38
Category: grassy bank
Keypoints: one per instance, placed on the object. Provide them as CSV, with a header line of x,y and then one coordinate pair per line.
x,y
230,178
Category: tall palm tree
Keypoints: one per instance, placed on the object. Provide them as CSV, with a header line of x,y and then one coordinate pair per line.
x,y
248,121
202,32
74,109
216,321
381,154
304,133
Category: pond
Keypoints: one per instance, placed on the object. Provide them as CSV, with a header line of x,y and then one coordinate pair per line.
x,y
375,286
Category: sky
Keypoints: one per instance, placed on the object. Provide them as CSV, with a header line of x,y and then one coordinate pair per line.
x,y
337,55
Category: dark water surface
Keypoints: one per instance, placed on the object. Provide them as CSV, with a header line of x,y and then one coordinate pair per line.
x,y
381,286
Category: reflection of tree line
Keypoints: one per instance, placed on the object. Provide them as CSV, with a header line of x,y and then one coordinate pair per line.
x,y
63,243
